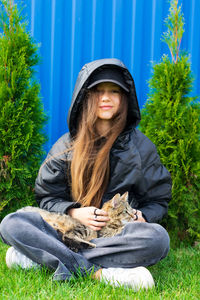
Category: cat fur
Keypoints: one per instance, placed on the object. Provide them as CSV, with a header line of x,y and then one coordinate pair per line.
x,y
77,236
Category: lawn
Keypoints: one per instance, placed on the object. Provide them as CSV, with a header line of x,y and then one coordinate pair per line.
x,y
176,277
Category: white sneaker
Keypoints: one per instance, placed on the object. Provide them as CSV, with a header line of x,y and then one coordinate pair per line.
x,y
136,278
15,259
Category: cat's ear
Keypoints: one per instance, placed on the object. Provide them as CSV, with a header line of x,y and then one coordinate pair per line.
x,y
124,197
116,200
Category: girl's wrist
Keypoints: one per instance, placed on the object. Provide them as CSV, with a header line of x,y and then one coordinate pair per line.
x,y
70,211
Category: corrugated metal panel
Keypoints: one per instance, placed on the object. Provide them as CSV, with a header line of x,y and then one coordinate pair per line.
x,y
73,32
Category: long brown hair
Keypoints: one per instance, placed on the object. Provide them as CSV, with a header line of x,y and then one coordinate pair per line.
x,y
90,159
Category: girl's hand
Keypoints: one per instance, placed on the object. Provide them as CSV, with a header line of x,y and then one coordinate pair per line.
x,y
91,216
138,216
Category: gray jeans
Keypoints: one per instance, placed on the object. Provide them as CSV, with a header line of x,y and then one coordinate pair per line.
x,y
139,244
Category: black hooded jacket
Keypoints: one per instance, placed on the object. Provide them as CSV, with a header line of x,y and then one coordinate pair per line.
x,y
134,163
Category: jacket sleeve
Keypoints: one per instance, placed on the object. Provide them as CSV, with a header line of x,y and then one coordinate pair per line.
x,y
156,183
51,187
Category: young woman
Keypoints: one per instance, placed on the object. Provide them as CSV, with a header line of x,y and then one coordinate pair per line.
x,y
103,154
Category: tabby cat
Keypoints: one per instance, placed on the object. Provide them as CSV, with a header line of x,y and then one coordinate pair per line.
x,y
77,236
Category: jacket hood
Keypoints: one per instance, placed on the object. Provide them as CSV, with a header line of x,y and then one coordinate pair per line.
x,y
80,91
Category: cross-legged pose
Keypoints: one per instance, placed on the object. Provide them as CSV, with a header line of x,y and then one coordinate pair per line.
x,y
102,155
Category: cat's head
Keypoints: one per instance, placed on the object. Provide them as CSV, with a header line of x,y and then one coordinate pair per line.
x,y
119,208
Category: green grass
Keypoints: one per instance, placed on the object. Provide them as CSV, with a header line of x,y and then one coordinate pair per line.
x,y
176,277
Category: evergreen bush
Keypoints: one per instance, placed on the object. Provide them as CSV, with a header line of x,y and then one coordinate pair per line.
x,y
170,118
22,117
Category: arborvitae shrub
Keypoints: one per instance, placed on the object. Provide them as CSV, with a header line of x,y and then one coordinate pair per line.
x,y
21,112
170,118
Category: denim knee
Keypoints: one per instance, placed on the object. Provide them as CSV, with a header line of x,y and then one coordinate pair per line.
x,y
160,240
9,225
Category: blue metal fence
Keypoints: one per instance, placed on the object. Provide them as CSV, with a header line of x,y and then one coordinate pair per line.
x,y
74,32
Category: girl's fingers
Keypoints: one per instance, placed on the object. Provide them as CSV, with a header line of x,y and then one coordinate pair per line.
x,y
135,211
95,228
100,218
100,212
98,224
138,217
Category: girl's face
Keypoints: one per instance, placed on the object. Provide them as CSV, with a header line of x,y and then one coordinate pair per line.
x,y
108,100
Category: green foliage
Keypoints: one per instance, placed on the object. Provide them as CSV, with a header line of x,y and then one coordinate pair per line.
x,y
173,36
22,117
170,119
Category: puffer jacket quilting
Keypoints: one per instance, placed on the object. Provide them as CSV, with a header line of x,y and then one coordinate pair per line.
x,y
133,170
